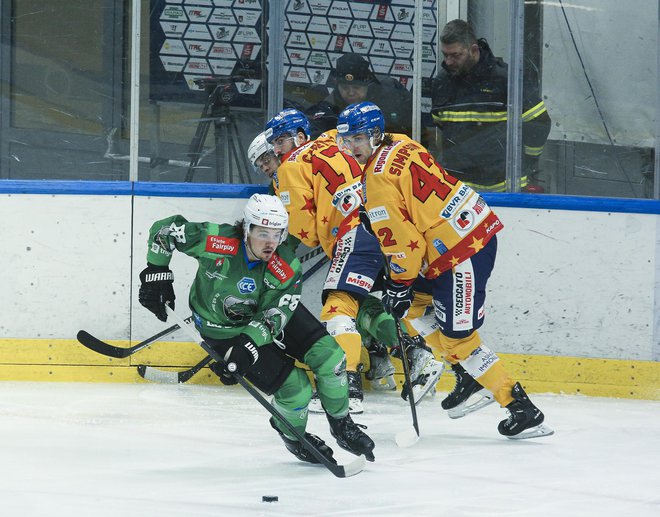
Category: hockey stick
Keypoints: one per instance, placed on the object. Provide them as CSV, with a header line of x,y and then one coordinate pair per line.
x,y
310,254
404,438
103,348
341,471
154,374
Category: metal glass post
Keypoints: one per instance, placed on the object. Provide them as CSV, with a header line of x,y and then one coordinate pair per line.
x,y
275,58
135,92
656,175
514,108
417,71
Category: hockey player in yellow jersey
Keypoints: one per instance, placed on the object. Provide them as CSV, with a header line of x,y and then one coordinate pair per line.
x,y
321,189
439,234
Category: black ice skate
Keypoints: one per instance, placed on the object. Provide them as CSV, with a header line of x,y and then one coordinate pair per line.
x,y
456,403
350,437
299,451
355,395
525,419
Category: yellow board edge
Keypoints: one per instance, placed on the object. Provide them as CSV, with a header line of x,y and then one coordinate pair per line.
x,y
62,360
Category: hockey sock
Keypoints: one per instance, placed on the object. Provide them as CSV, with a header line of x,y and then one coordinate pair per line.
x,y
291,400
485,366
338,314
326,359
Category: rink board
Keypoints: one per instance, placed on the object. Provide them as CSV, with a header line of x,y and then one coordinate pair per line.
x,y
574,299
68,361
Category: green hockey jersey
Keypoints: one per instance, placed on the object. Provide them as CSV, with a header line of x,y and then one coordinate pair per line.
x,y
230,295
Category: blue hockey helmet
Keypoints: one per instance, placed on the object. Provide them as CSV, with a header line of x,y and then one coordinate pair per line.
x,y
363,117
288,121
360,118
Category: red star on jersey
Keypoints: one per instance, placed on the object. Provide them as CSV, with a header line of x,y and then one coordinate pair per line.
x,y
303,234
309,204
324,219
406,215
413,245
333,309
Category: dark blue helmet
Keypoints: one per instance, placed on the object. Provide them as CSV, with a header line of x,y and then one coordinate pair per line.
x,y
288,121
362,117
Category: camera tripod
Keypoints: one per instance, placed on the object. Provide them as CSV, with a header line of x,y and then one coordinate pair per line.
x,y
230,155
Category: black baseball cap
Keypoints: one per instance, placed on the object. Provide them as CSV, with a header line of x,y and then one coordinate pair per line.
x,y
353,69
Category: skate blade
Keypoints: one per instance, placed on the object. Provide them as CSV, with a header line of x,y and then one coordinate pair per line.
x,y
465,409
533,432
420,390
384,384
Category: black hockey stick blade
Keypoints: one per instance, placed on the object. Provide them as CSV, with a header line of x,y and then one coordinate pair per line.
x,y
169,377
103,348
341,471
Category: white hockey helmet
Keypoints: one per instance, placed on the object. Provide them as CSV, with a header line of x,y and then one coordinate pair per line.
x,y
258,147
267,211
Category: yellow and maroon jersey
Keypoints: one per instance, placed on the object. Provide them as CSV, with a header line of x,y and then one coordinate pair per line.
x,y
321,189
426,220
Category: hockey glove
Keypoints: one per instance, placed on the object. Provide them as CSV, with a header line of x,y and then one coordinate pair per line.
x,y
156,289
397,298
225,378
241,356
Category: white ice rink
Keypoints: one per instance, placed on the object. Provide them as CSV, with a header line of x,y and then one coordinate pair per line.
x,y
156,450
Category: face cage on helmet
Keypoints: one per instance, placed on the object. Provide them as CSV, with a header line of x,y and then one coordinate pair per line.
x,y
344,149
270,154
289,128
248,226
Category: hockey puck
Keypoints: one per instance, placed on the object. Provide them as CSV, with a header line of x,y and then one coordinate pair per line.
x,y
269,498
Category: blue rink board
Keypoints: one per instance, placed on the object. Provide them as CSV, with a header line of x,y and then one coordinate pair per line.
x,y
208,190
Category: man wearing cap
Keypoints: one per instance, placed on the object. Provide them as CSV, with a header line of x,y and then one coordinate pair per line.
x,y
355,82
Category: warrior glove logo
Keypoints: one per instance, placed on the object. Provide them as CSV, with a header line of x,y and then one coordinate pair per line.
x,y
159,277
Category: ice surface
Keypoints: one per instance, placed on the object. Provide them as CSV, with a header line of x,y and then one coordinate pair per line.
x,y
74,449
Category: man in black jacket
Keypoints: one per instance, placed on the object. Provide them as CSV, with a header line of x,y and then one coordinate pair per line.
x,y
470,107
355,82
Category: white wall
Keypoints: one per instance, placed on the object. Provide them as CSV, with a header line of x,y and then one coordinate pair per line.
x,y
565,283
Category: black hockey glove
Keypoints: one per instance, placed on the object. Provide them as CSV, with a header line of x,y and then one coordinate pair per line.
x,y
156,289
225,378
397,298
241,356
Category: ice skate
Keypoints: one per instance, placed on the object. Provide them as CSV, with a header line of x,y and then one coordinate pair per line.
x,y
425,371
381,370
298,449
460,401
525,419
355,395
350,437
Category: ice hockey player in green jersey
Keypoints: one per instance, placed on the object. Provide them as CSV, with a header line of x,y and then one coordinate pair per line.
x,y
245,303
